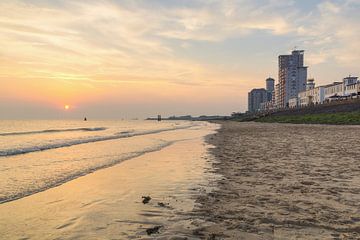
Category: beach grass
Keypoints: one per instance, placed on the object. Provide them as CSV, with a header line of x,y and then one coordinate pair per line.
x,y
341,118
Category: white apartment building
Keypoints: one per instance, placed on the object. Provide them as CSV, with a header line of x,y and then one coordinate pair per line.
x,y
312,95
334,91
350,86
305,98
351,89
319,95
293,102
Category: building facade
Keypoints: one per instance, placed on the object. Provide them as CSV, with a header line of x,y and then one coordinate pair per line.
x,y
270,87
312,96
293,102
350,86
270,84
334,91
277,96
256,97
292,77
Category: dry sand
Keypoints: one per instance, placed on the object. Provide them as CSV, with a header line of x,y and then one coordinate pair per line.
x,y
283,181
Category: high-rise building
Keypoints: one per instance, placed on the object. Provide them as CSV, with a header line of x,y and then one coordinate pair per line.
x,y
276,98
255,98
292,76
270,83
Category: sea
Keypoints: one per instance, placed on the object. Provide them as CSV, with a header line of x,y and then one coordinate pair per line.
x,y
55,174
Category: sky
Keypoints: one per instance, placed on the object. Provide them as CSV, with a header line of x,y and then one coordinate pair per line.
x,y
134,59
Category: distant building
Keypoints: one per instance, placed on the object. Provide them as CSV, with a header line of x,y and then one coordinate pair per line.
x,y
310,84
270,83
312,95
319,95
293,102
334,91
349,87
255,98
350,80
292,77
277,96
266,106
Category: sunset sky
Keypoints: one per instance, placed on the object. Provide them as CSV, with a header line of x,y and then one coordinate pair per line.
x,y
126,59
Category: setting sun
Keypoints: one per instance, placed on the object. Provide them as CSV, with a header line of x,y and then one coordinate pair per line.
x,y
66,107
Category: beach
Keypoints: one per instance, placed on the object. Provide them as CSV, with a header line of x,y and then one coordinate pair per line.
x,y
227,180
283,181
107,202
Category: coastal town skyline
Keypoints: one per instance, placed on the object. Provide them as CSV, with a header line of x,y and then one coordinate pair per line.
x,y
294,89
127,59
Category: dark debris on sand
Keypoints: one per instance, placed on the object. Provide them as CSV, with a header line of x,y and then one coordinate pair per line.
x,y
153,230
146,199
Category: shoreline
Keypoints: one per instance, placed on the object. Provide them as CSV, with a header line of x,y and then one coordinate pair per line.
x,y
108,203
282,181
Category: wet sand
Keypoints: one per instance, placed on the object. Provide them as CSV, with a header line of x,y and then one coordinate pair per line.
x,y
283,181
107,204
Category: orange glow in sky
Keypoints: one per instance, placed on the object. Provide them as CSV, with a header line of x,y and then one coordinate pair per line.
x,y
127,59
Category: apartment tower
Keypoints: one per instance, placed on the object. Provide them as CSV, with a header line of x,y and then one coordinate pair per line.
x,y
270,88
255,98
292,76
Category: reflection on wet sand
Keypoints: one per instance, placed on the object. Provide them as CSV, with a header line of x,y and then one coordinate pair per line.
x,y
108,204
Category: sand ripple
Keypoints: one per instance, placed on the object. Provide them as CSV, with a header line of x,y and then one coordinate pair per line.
x,y
285,181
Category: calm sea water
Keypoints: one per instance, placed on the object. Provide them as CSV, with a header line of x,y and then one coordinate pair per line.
x,y
37,155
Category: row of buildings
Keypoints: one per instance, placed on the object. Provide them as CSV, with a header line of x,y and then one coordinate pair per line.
x,y
295,90
349,87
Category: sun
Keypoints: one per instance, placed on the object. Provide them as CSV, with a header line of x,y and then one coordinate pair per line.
x,y
66,107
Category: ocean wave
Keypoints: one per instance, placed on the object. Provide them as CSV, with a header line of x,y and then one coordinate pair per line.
x,y
74,175
68,143
54,131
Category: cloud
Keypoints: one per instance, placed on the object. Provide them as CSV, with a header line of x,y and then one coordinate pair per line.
x,y
219,20
111,43
332,32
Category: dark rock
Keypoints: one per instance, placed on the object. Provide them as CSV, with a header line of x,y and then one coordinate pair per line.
x,y
146,199
161,204
153,230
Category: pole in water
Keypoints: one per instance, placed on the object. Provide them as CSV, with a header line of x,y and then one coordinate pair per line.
x,y
159,118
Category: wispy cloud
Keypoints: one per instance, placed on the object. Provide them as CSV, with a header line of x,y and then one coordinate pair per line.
x,y
109,43
332,32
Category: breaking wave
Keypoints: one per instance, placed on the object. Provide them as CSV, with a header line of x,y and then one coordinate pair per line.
x,y
54,131
68,143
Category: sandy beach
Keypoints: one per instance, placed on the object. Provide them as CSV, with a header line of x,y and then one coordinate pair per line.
x,y
283,181
246,181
